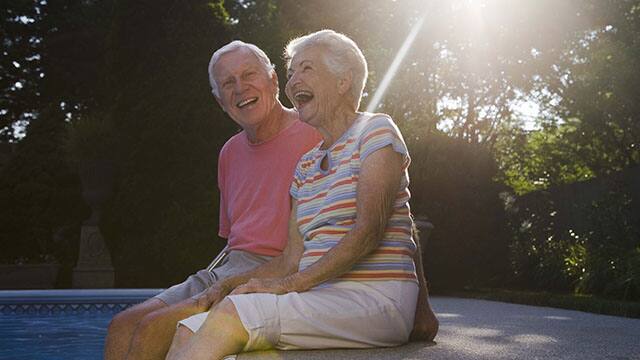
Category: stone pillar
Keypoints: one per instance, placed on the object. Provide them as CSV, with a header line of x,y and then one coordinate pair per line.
x,y
94,269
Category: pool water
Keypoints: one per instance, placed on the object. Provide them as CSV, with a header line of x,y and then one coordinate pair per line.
x,y
60,324
53,336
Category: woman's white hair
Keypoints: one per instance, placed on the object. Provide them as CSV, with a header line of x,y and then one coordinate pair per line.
x,y
235,45
342,55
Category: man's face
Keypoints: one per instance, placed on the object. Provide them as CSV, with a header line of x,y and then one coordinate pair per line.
x,y
247,90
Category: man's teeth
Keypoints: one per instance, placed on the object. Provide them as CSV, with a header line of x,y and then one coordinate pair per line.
x,y
247,102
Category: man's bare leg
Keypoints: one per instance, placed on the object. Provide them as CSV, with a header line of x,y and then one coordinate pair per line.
x,y
152,337
221,334
123,325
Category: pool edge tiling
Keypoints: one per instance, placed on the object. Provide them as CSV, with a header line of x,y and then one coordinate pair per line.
x,y
71,300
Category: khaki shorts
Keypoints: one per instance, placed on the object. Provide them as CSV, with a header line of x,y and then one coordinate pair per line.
x,y
236,263
341,314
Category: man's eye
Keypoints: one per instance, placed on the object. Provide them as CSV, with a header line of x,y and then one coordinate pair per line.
x,y
307,67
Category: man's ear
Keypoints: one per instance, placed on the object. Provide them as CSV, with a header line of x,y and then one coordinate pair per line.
x,y
345,82
220,103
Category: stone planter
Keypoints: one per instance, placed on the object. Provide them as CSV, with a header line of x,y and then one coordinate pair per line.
x,y
94,269
28,276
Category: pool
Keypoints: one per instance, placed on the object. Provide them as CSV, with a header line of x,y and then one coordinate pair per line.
x,y
60,324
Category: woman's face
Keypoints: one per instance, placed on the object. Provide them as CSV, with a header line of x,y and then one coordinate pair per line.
x,y
312,88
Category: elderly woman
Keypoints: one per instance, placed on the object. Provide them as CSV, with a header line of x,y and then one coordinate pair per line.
x,y
347,278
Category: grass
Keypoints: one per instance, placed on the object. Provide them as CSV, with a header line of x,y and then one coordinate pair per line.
x,y
585,303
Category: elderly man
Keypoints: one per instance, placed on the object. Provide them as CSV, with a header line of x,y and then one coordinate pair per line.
x,y
255,170
351,273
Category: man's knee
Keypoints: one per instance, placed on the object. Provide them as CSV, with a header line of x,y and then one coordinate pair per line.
x,y
147,325
131,317
123,320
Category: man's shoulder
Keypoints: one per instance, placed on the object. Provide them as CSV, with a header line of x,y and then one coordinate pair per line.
x,y
237,140
305,133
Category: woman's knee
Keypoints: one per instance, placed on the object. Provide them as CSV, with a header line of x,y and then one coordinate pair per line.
x,y
226,307
180,339
225,311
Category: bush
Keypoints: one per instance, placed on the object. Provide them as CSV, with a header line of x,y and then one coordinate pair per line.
x,y
582,237
452,184
40,195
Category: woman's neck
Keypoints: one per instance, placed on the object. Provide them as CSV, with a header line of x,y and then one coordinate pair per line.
x,y
340,122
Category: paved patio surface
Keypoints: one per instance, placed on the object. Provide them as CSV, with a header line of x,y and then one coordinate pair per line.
x,y
480,329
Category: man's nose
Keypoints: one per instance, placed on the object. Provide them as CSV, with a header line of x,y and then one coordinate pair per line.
x,y
239,86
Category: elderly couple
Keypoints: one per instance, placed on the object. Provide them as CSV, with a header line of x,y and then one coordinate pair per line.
x,y
315,207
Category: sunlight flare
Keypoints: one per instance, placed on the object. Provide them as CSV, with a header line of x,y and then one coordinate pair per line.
x,y
393,68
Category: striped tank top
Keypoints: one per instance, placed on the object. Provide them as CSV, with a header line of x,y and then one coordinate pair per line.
x,y
327,201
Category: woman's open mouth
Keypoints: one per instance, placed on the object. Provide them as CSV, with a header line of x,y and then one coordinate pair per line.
x,y
302,97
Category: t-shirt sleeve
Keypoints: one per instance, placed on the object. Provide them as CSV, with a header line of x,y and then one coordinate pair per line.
x,y
224,224
378,132
297,181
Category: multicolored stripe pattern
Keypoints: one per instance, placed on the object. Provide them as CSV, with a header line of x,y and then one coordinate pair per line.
x,y
327,201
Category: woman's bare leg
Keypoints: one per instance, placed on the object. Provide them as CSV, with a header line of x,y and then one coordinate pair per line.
x,y
180,340
221,334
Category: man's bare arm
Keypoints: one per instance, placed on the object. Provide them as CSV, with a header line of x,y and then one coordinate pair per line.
x,y
278,267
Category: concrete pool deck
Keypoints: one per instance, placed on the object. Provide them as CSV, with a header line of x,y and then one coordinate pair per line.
x,y
469,329
480,329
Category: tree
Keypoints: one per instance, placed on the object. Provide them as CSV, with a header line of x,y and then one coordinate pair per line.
x,y
20,66
163,220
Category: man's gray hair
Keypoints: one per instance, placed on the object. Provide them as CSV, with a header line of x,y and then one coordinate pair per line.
x,y
235,45
341,55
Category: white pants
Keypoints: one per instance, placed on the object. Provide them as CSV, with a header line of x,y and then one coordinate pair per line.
x,y
341,314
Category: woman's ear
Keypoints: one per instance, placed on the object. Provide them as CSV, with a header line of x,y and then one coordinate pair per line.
x,y
345,82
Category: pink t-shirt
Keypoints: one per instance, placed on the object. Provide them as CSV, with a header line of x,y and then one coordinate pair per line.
x,y
254,183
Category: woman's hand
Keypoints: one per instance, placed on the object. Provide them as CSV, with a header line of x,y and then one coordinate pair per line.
x,y
425,325
276,286
213,295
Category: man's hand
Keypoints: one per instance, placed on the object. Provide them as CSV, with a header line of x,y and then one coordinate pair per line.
x,y
213,295
425,325
272,286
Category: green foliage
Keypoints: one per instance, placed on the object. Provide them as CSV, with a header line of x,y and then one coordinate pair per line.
x,y
142,66
540,159
40,195
611,248
20,65
582,237
540,241
162,222
450,176
91,138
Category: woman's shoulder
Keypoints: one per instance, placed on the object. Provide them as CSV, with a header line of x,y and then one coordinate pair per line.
x,y
372,122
